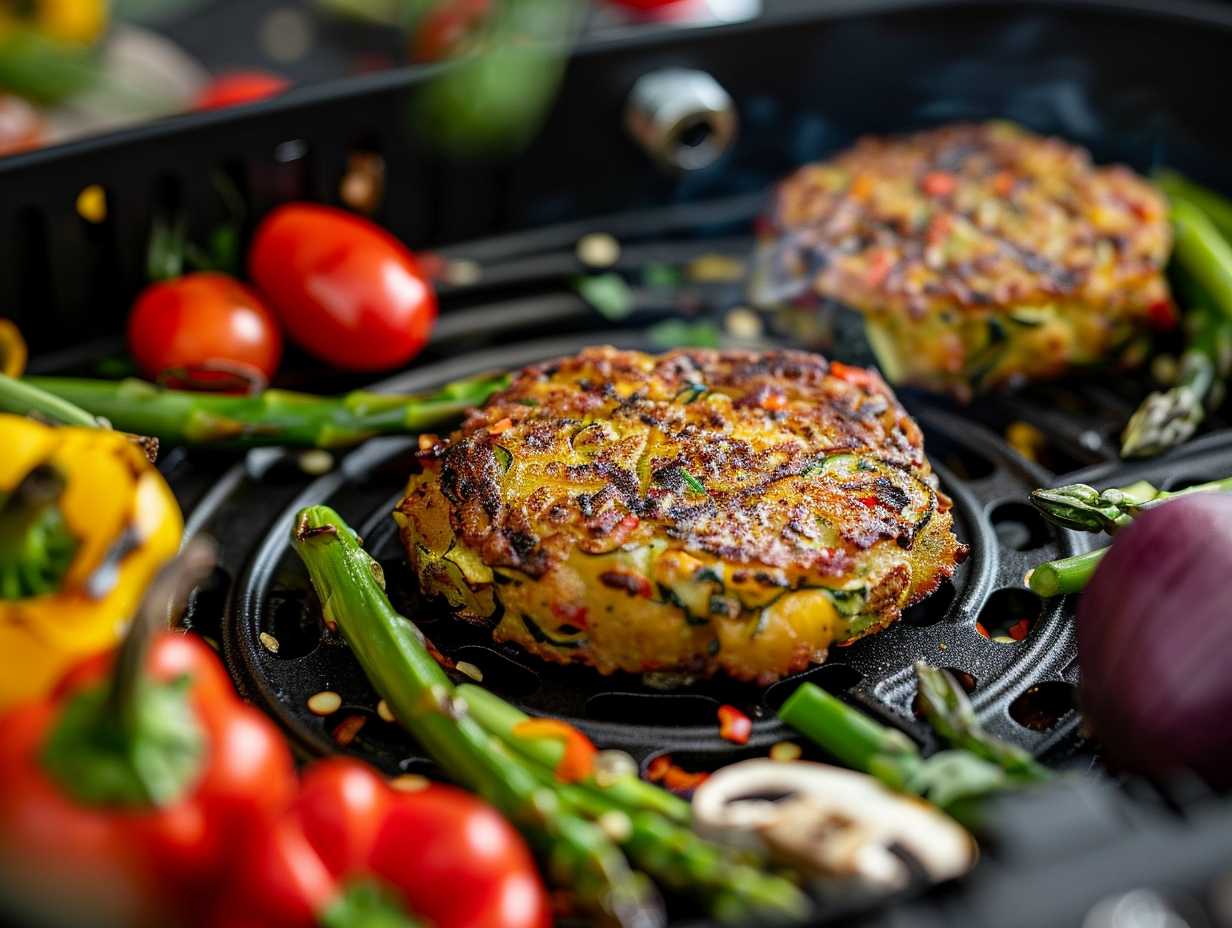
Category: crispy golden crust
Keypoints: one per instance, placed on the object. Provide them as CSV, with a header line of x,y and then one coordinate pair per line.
x,y
933,235
689,490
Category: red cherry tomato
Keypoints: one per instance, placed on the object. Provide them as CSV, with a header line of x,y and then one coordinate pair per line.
x,y
239,87
201,321
345,289
446,27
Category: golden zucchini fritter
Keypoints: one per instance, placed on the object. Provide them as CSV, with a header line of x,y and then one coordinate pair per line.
x,y
694,511
980,255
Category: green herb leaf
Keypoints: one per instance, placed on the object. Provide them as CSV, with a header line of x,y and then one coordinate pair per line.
x,y
675,333
608,294
692,482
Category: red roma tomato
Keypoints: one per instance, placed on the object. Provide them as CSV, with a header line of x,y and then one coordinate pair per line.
x,y
239,87
201,320
345,289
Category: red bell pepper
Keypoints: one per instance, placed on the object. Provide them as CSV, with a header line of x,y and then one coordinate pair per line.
x,y
126,790
351,846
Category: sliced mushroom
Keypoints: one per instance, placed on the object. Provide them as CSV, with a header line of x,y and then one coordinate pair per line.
x,y
832,822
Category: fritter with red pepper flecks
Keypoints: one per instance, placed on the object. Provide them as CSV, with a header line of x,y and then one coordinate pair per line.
x,y
693,512
979,255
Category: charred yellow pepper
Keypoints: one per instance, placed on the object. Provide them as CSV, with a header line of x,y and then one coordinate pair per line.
x,y
85,521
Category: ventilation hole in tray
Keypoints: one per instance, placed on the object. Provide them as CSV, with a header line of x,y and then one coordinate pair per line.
x,y
1009,614
932,609
1042,706
1019,526
500,673
965,679
833,678
206,604
404,595
295,625
963,462
663,709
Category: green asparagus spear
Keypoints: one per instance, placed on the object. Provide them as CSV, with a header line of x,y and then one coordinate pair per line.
x,y
24,399
949,712
1217,208
391,650
274,417
576,824
1203,253
1085,509
954,780
1170,417
1064,575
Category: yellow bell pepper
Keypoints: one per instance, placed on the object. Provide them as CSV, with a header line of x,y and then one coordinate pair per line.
x,y
12,350
79,22
85,521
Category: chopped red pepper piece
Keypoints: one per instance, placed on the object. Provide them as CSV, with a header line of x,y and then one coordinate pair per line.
x,y
571,614
734,725
859,376
774,402
1162,314
1020,629
938,184
578,761
979,627
663,770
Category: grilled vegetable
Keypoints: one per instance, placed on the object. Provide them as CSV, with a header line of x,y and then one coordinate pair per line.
x,y
435,856
837,824
1154,642
274,417
1169,418
85,520
696,512
345,289
558,817
1203,253
203,321
955,780
126,791
979,255
1086,509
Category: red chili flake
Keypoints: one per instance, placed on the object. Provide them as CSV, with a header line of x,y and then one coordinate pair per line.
x,y
663,771
939,228
938,184
880,263
870,501
773,401
1162,314
734,725
347,729
979,627
1003,183
503,425
858,376
571,614
1020,629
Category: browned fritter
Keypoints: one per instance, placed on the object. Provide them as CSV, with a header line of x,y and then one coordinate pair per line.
x,y
694,511
980,254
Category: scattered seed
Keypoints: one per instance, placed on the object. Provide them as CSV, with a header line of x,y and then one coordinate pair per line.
x,y
363,185
270,642
316,462
409,783
326,702
716,269
613,765
383,710
943,646
462,273
92,204
616,825
598,250
347,729
470,670
742,322
785,751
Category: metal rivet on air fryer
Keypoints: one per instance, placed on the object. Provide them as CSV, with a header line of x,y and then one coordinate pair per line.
x,y
684,119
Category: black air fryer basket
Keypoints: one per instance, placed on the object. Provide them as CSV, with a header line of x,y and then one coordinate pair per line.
x,y
1138,82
